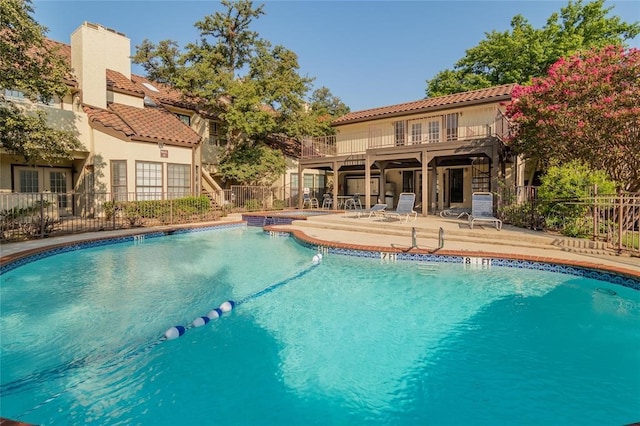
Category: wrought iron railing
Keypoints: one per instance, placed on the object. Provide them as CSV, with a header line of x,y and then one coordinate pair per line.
x,y
26,216
612,219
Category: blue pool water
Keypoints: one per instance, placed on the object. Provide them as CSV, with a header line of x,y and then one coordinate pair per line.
x,y
349,341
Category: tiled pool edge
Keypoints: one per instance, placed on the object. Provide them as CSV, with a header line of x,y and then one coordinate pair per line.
x,y
10,262
612,274
616,275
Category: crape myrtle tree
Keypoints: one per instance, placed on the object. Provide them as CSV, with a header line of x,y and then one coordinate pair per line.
x,y
586,109
525,52
253,87
30,65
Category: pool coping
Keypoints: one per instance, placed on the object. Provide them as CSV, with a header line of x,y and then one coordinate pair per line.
x,y
627,274
17,259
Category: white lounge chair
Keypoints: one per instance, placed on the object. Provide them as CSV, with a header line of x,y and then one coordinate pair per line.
x,y
482,209
404,209
375,210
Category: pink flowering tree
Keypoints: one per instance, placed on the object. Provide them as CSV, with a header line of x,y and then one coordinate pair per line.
x,y
587,109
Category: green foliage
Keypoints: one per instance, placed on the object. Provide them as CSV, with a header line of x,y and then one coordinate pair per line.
x,y
253,165
29,135
161,61
254,88
278,204
524,52
252,205
564,197
26,221
524,215
32,66
136,212
586,109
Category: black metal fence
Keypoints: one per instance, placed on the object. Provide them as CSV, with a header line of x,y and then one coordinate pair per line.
x,y
612,219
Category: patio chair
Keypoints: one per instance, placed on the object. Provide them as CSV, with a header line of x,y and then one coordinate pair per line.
x,y
327,201
308,200
375,210
482,209
404,209
353,203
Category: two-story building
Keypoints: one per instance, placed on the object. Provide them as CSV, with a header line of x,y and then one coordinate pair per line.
x,y
442,149
141,139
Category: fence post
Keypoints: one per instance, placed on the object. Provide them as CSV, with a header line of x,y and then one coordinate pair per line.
x,y
596,214
41,215
620,217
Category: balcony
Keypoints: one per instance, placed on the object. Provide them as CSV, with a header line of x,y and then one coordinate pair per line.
x,y
357,143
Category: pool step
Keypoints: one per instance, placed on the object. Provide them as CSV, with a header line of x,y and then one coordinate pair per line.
x,y
452,232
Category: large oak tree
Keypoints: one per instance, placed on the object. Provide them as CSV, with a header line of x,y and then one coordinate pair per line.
x,y
253,87
525,52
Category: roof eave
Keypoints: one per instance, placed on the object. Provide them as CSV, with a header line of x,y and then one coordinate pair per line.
x,y
493,99
166,141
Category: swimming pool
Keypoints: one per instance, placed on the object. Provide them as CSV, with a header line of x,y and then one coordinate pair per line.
x,y
347,341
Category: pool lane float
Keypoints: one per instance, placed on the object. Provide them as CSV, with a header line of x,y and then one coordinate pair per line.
x,y
178,330
174,332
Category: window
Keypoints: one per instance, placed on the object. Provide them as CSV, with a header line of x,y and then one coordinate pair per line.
x,y
215,134
150,87
178,180
58,183
451,124
434,131
29,181
14,94
186,119
416,132
399,132
148,181
294,189
17,95
119,180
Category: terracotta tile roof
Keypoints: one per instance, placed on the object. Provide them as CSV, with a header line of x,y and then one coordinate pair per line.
x,y
144,124
156,124
108,119
491,94
63,50
117,82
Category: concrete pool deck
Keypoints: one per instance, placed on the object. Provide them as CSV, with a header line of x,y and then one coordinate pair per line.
x,y
346,230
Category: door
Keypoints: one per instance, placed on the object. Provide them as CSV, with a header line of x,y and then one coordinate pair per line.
x,y
456,185
407,181
59,184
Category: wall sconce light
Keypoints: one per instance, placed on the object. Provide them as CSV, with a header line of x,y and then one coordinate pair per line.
x,y
160,145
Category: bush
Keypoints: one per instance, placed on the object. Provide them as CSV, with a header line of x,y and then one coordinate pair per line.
x,y
135,212
521,215
278,204
252,205
564,197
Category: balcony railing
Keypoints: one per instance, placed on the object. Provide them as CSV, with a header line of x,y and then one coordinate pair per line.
x,y
346,144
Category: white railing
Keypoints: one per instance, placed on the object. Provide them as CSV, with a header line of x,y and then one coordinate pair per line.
x,y
356,143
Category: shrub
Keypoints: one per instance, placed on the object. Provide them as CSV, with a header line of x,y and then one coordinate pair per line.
x,y
252,205
564,197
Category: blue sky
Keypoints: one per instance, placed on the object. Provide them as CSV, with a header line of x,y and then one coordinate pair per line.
x,y
368,53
